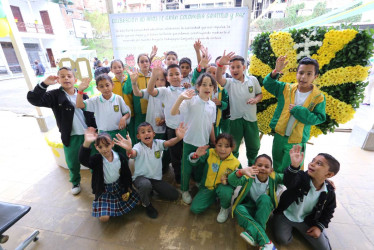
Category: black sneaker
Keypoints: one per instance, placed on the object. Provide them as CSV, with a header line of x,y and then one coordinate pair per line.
x,y
151,211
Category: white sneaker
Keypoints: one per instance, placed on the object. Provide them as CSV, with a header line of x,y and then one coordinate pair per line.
x,y
76,189
268,246
186,197
248,238
223,215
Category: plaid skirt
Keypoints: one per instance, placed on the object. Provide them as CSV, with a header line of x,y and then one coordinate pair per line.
x,y
110,201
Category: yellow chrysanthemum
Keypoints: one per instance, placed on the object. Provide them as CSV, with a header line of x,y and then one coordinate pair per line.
x,y
343,75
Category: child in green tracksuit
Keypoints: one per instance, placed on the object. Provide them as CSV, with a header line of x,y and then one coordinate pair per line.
x,y
218,163
300,106
256,199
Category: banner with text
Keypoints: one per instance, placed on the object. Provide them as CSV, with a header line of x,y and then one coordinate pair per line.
x,y
217,29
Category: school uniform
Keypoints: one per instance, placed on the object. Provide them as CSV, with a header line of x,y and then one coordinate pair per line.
x,y
222,96
199,115
254,203
187,79
108,114
110,180
70,122
243,120
148,172
210,185
293,127
168,96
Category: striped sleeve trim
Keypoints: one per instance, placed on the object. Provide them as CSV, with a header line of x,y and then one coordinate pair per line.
x,y
292,170
320,225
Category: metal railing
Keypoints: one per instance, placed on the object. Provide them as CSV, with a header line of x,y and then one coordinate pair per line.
x,y
34,28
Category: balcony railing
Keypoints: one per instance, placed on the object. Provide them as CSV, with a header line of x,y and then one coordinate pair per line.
x,y
34,28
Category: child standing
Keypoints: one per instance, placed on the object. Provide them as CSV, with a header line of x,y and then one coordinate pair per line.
x,y
309,202
111,177
170,58
168,96
71,121
185,66
218,163
199,113
300,106
111,112
244,93
256,199
148,166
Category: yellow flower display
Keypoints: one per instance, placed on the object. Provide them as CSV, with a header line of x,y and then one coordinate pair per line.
x,y
343,75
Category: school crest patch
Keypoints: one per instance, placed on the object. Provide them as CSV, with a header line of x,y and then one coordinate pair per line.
x,y
215,167
116,108
250,89
157,154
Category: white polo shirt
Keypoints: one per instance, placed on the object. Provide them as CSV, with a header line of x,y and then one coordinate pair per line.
x,y
168,96
258,188
107,112
79,121
155,110
298,212
239,93
111,169
199,116
148,161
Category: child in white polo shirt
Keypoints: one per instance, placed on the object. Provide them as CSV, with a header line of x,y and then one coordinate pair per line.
x,y
148,165
244,93
168,96
111,112
199,114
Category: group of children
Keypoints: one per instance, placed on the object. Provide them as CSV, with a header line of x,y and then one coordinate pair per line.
x,y
158,117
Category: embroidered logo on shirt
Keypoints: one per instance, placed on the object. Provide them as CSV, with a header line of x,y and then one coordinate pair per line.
x,y
215,167
116,108
250,89
157,154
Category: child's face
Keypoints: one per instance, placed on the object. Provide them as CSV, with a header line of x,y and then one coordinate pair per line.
x,y
146,135
161,81
319,168
185,69
105,150
264,168
105,87
174,76
117,69
212,70
306,75
171,59
205,89
223,148
144,64
66,79
237,70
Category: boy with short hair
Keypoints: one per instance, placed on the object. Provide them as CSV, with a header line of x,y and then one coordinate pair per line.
x,y
168,95
185,66
300,105
309,202
171,57
244,93
148,164
71,121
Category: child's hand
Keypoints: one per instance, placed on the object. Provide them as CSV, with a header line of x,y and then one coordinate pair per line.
x,y
188,94
291,107
200,151
122,142
216,101
84,84
157,71
224,179
154,51
160,122
122,122
314,232
90,135
181,130
133,73
250,171
51,80
252,101
296,156
280,63
225,59
197,45
186,85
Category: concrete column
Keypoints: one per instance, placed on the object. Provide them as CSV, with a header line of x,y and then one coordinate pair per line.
x,y
2,55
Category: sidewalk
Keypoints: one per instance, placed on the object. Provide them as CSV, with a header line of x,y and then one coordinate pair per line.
x,y
29,175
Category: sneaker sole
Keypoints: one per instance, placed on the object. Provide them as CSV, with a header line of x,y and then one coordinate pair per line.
x,y
248,240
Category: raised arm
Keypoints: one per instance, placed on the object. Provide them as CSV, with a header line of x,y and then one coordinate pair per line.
x,y
84,84
197,46
186,95
153,53
39,96
179,132
125,144
156,72
224,60
134,74
90,136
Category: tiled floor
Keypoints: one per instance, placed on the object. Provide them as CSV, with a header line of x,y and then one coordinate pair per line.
x,y
29,175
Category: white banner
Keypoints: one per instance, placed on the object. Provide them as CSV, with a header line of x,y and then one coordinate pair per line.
x,y
217,29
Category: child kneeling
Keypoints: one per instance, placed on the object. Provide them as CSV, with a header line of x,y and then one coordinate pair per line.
x,y
309,202
219,162
148,164
111,177
257,198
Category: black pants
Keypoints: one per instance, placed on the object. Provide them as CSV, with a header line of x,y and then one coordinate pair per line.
x,y
175,154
